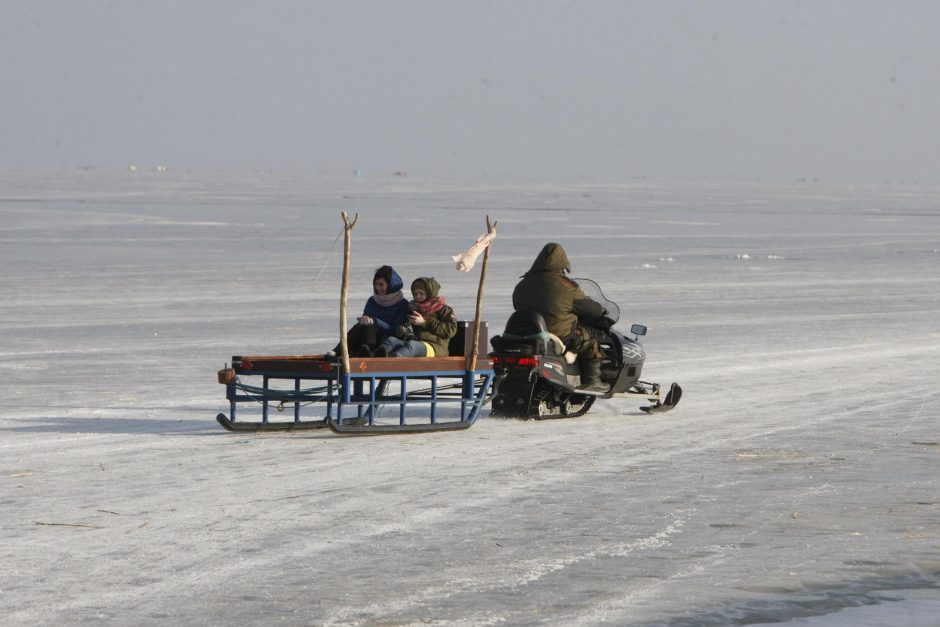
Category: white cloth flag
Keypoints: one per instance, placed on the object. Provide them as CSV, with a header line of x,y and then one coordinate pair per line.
x,y
465,260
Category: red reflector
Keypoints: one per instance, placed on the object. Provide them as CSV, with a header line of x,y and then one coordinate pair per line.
x,y
528,361
511,360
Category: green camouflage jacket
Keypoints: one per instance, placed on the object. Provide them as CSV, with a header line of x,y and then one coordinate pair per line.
x,y
546,290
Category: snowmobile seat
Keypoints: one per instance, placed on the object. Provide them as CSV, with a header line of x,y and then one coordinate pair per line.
x,y
525,323
528,327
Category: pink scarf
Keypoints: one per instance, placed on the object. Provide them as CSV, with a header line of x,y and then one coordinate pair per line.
x,y
387,300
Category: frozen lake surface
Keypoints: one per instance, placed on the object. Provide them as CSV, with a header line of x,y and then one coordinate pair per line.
x,y
797,481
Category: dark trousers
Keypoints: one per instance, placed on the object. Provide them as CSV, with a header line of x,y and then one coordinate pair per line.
x,y
360,335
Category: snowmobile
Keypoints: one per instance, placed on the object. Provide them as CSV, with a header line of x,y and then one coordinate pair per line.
x,y
537,377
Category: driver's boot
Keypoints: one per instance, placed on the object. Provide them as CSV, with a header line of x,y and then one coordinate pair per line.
x,y
591,377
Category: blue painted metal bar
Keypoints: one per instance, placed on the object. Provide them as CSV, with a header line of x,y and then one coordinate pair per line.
x,y
449,392
330,396
297,402
344,395
230,393
465,394
264,411
373,390
404,400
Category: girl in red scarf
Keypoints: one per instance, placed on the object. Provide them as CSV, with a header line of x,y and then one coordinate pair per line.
x,y
432,324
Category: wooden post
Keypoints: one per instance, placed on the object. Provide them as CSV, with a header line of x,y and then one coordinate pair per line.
x,y
475,351
344,293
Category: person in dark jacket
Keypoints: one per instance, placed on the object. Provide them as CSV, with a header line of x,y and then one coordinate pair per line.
x,y
545,289
430,325
385,311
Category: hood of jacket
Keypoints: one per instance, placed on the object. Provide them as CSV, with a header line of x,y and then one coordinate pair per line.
x,y
431,287
396,283
552,258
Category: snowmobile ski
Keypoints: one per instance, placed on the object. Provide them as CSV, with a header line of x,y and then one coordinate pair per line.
x,y
667,404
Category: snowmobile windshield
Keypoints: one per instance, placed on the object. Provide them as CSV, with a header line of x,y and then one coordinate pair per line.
x,y
593,291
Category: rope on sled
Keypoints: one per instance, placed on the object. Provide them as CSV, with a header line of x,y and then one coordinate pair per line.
x,y
329,256
286,394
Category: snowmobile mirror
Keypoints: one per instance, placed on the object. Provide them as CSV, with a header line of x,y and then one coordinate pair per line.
x,y
638,329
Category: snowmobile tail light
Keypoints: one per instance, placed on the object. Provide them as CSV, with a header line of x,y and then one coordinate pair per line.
x,y
513,360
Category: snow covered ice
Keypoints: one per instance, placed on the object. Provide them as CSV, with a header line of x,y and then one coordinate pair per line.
x,y
797,481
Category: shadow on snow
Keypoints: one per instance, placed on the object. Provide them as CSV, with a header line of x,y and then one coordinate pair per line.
x,y
88,424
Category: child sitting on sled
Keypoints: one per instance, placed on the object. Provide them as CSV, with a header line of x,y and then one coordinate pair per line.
x,y
384,312
430,325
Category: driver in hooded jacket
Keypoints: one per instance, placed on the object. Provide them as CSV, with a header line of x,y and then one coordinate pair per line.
x,y
545,289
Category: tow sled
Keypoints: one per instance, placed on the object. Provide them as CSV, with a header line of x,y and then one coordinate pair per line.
x,y
367,395
377,395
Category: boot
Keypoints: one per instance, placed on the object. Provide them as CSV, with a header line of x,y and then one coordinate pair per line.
x,y
591,377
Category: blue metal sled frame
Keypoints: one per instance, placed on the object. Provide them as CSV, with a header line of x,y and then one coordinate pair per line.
x,y
425,394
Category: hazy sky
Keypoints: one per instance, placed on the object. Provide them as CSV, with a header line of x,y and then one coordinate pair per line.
x,y
845,90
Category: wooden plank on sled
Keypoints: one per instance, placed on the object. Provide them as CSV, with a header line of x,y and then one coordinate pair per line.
x,y
272,364
372,365
312,364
